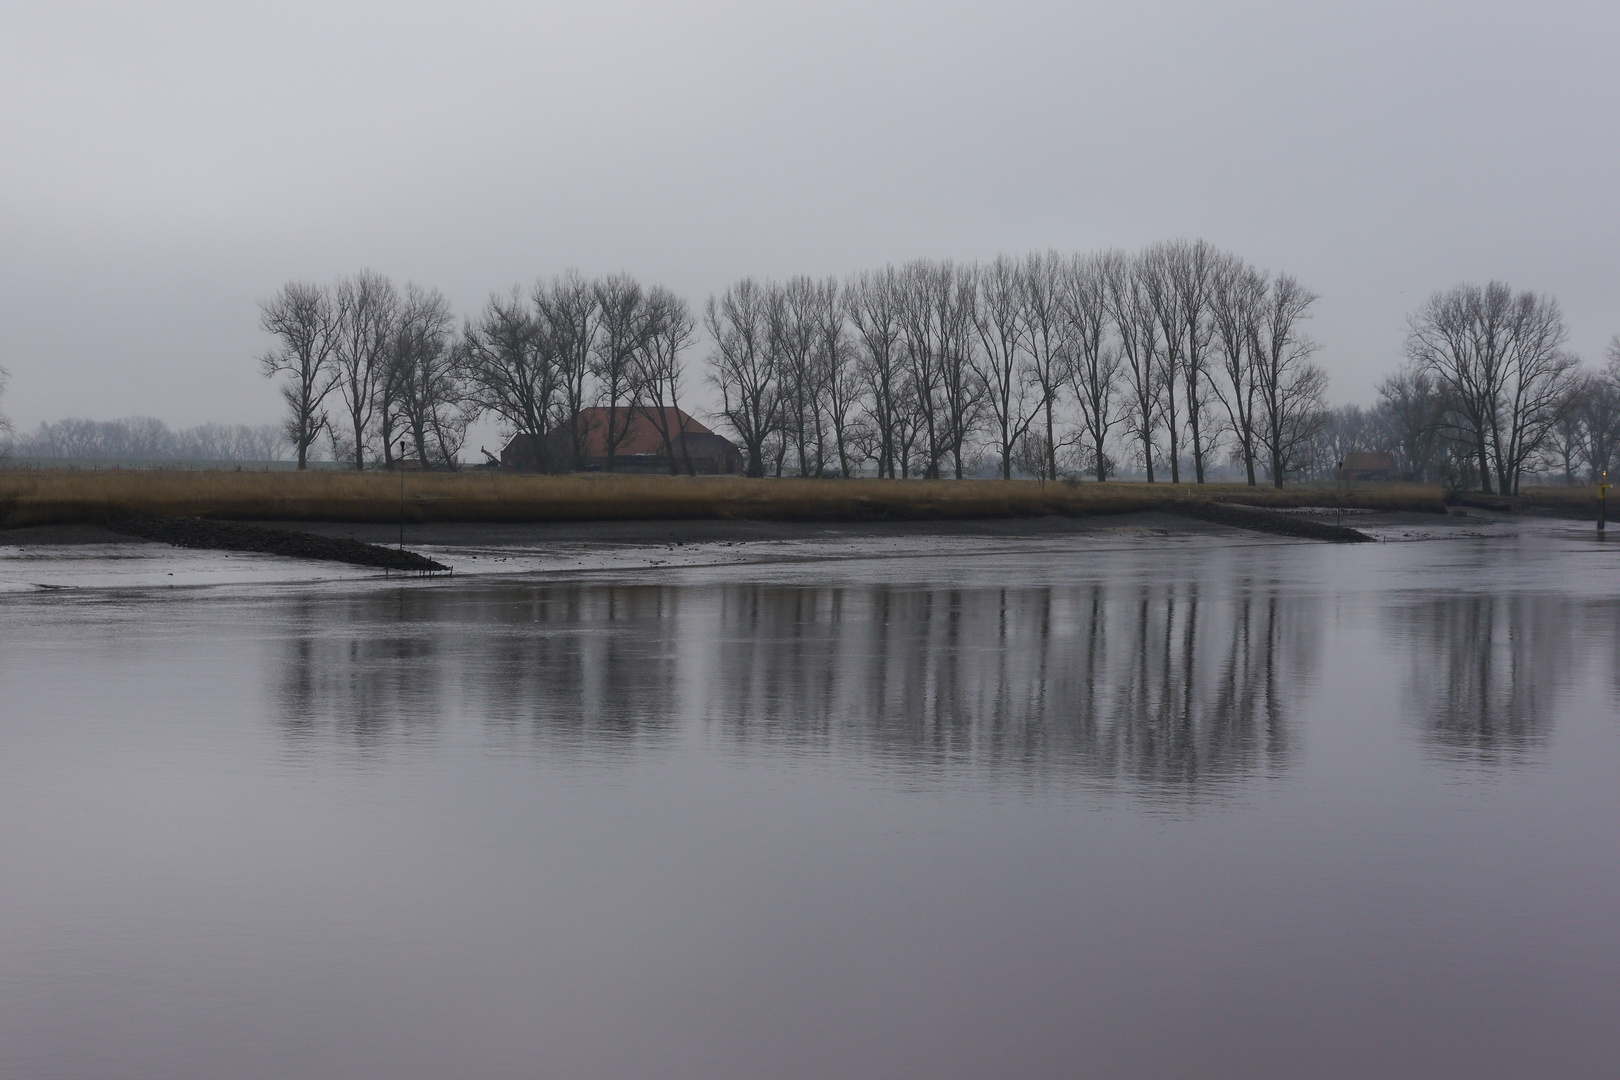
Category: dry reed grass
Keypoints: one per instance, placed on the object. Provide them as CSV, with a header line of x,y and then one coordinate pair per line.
x,y
53,496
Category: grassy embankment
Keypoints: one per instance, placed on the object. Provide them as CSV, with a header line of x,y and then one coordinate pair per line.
x,y
50,497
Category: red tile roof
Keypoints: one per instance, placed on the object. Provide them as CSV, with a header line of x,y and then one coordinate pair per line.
x,y
644,435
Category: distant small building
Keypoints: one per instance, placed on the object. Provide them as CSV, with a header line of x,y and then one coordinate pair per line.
x,y
641,446
1368,465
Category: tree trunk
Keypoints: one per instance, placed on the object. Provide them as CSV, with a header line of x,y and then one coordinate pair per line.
x,y
1051,446
686,453
669,446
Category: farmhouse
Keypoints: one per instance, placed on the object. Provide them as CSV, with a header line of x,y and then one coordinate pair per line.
x,y
641,445
1368,465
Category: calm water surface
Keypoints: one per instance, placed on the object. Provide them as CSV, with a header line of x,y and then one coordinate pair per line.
x,y
1173,806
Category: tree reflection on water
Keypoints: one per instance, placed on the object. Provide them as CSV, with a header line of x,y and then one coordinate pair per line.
x,y
1160,689
1486,671
1169,691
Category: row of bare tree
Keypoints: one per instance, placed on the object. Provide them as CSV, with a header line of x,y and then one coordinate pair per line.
x,y
911,369
1176,349
535,359
1177,358
386,355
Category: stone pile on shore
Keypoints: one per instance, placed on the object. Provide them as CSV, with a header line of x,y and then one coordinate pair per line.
x,y
234,536
1246,517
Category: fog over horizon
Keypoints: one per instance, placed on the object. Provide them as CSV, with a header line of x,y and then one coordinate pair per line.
x,y
170,166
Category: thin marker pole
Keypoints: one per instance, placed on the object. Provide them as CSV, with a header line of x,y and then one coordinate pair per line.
x,y
402,495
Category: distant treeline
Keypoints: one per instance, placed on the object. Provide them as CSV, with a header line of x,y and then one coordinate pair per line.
x,y
150,439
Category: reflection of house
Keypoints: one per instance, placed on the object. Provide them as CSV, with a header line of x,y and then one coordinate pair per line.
x,y
1368,465
640,445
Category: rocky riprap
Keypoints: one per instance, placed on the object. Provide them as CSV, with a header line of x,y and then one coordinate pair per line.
x,y
1245,517
235,536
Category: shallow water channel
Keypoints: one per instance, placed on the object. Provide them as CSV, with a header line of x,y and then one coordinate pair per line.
x,y
1201,805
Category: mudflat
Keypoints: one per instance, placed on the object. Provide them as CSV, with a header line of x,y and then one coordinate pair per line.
x,y
701,531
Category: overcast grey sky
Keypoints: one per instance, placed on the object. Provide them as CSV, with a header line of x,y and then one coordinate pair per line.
x,y
166,165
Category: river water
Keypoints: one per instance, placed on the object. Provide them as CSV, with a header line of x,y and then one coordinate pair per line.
x,y
1132,805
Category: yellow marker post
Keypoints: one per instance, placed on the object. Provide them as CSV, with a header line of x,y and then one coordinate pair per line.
x,y
1603,491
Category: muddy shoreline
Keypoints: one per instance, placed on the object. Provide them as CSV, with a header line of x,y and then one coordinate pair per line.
x,y
710,530
699,531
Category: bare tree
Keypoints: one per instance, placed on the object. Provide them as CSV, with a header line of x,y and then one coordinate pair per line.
x,y
925,351
5,424
1565,448
510,366
837,372
794,311
1136,324
364,308
1540,376
570,316
1288,386
1192,269
1043,280
1414,413
907,429
1238,293
302,320
961,395
1601,412
671,332
1455,337
1003,362
427,371
741,367
872,303
1093,364
1499,357
1158,272
1347,429
625,326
